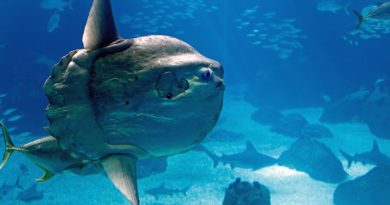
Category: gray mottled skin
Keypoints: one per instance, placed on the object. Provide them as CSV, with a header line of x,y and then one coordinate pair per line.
x,y
114,100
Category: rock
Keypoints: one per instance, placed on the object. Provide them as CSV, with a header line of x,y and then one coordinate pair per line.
x,y
290,125
372,188
376,112
314,158
149,167
245,193
316,131
347,109
266,115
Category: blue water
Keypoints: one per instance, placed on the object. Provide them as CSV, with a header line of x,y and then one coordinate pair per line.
x,y
288,54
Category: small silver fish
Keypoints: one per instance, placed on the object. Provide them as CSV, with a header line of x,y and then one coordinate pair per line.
x,y
15,118
54,22
9,111
56,4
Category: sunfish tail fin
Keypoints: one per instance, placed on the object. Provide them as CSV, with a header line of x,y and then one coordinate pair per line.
x,y
9,145
122,172
360,19
348,157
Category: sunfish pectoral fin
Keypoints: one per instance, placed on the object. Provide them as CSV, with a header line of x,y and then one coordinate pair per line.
x,y
122,172
46,176
100,30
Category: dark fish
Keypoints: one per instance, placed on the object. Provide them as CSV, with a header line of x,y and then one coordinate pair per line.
x,y
23,168
6,188
30,194
249,158
375,157
162,190
149,167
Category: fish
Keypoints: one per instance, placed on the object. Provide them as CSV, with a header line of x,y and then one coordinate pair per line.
x,y
44,60
381,12
15,118
6,188
54,22
56,4
149,167
23,168
30,194
374,157
248,159
9,111
332,6
162,190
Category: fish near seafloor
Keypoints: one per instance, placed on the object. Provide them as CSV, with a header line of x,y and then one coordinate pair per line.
x,y
30,194
375,157
381,12
5,188
250,158
162,190
176,100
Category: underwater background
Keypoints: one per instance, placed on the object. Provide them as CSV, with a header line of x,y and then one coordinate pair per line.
x,y
305,91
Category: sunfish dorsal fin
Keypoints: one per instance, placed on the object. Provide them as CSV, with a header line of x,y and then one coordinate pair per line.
x,y
100,30
121,171
250,147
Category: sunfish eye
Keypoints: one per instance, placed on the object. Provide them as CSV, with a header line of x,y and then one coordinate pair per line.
x,y
207,74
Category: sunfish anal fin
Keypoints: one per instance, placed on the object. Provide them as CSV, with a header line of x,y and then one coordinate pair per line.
x,y
100,30
122,172
46,176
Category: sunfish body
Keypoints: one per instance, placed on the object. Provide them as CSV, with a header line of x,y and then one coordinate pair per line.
x,y
382,12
